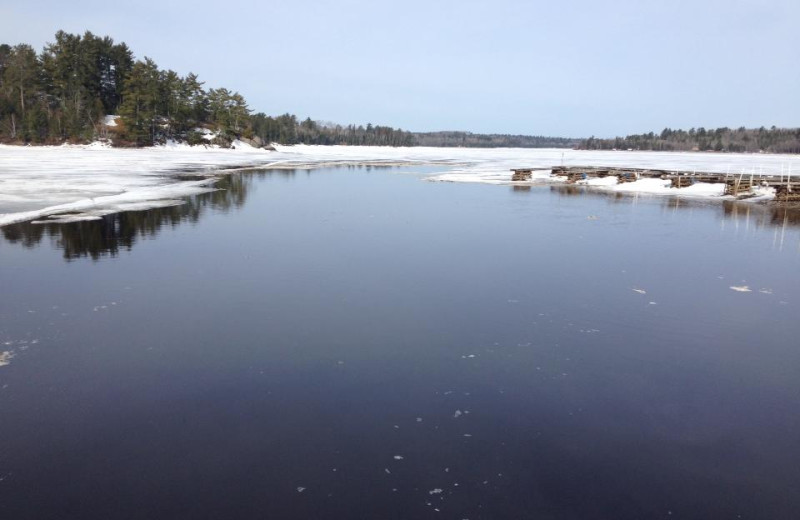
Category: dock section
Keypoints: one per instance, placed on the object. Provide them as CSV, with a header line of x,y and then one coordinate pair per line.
x,y
787,188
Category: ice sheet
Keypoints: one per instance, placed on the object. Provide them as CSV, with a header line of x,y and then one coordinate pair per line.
x,y
39,181
36,182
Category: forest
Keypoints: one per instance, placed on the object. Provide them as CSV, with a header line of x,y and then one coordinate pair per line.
x,y
772,140
64,93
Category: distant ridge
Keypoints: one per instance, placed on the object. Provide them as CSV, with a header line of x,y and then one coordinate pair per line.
x,y
769,140
472,140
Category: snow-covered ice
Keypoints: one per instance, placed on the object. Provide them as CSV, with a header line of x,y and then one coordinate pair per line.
x,y
92,180
95,179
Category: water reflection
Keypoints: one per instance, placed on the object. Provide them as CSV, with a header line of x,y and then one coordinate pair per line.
x,y
120,231
759,214
112,233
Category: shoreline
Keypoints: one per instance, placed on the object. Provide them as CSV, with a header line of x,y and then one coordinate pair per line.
x,y
100,143
83,182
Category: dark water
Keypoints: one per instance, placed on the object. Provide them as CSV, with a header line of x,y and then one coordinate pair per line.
x,y
268,350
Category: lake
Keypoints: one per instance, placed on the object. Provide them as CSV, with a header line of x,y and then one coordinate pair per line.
x,y
361,343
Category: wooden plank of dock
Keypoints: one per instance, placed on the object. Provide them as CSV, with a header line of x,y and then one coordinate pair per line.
x,y
522,174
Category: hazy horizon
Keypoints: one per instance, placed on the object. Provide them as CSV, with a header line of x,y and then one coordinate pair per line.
x,y
572,70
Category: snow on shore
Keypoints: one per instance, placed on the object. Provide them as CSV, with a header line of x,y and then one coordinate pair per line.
x,y
92,180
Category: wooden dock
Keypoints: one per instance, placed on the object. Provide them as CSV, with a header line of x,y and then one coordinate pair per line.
x,y
522,174
787,188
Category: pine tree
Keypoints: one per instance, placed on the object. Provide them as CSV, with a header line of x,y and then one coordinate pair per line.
x,y
20,82
140,103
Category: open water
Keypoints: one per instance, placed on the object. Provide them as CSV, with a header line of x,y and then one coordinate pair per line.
x,y
359,343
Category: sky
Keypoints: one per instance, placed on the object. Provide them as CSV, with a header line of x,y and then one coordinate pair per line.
x,y
564,68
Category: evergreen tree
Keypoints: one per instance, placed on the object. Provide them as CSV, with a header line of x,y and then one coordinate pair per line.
x,y
20,85
141,99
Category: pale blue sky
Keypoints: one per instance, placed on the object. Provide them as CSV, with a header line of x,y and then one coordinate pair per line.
x,y
571,68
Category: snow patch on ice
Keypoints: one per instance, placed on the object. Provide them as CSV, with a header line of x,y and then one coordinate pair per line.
x,y
5,358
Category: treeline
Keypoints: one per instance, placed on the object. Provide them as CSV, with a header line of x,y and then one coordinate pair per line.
x,y
287,129
772,140
470,140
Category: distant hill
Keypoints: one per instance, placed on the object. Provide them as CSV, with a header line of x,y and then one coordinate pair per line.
x,y
772,140
470,140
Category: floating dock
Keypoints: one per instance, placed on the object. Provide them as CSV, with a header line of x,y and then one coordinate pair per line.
x,y
787,188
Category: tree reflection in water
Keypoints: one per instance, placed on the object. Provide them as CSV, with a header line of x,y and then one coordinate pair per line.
x,y
120,231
